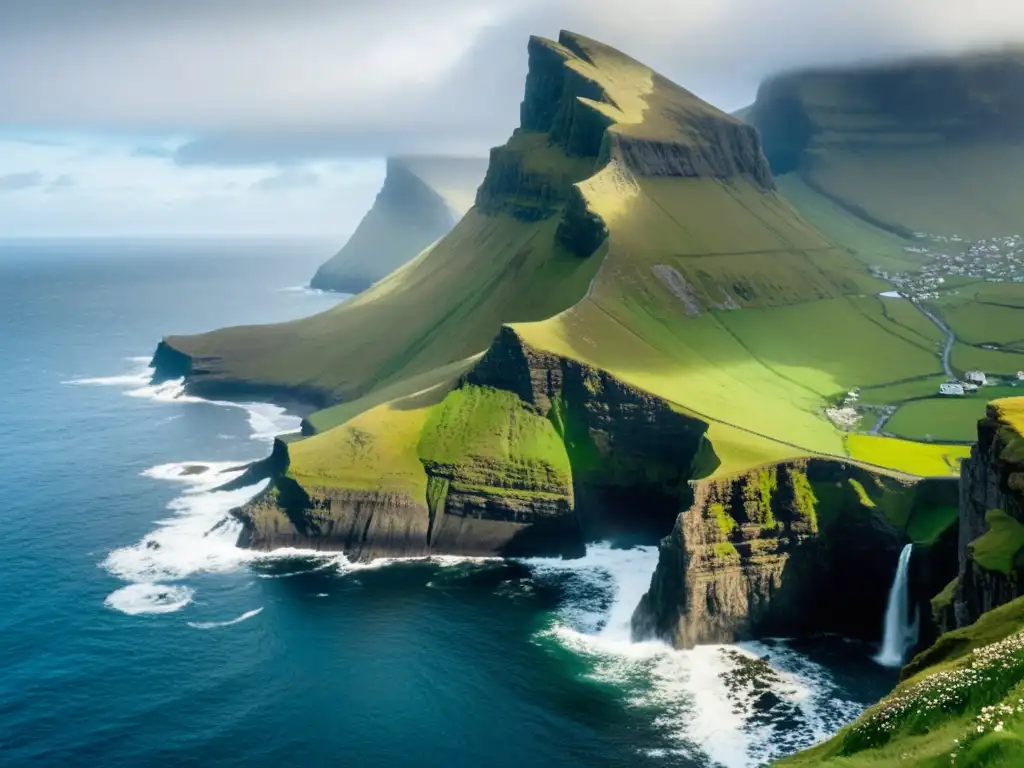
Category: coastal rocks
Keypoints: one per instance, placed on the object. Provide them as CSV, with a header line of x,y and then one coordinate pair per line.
x,y
362,524
792,549
989,485
583,456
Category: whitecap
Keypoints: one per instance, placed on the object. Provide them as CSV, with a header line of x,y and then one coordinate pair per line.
x,y
143,598
200,537
216,624
698,711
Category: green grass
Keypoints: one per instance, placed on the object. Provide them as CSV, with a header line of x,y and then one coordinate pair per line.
x,y
944,599
927,524
725,521
991,361
893,394
920,459
862,493
998,548
489,438
978,323
869,244
906,315
924,188
932,719
941,419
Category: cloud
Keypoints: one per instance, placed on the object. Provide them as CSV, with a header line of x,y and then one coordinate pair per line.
x,y
87,186
287,178
13,182
64,181
279,81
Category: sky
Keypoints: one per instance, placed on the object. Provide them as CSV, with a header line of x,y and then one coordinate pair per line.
x,y
274,116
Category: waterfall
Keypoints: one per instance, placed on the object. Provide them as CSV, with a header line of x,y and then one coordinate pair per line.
x,y
899,633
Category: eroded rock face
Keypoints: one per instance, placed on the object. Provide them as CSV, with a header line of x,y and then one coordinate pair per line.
x,y
631,453
785,550
362,524
989,480
630,456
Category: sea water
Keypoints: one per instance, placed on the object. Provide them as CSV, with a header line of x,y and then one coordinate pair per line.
x,y
133,631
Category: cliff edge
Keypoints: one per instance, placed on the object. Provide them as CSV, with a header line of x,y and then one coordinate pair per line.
x,y
991,538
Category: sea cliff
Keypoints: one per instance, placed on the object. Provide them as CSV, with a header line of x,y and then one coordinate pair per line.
x,y
991,522
791,549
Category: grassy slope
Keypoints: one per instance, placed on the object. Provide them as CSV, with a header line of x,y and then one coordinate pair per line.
x,y
998,548
953,420
444,306
932,718
657,305
924,188
916,147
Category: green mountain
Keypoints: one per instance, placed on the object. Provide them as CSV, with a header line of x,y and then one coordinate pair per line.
x,y
651,309
902,145
421,200
913,168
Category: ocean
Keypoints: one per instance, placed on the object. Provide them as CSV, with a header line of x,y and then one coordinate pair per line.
x,y
133,631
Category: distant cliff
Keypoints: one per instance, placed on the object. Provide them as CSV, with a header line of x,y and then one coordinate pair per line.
x,y
421,200
900,144
991,542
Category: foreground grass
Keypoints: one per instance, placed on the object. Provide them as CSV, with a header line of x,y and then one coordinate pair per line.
x,y
962,704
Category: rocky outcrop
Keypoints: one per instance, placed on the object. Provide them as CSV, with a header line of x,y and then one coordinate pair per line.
x,y
792,549
420,202
991,480
598,459
204,377
631,454
362,524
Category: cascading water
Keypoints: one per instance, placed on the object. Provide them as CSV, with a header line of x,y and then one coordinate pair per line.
x,y
899,632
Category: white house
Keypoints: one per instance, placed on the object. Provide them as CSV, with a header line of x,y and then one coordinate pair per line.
x,y
976,377
954,388
1020,375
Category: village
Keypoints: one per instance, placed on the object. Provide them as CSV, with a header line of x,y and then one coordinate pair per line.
x,y
995,259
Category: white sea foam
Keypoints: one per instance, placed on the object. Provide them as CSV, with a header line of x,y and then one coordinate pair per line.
x,y
139,374
136,599
698,710
200,535
307,290
266,421
216,624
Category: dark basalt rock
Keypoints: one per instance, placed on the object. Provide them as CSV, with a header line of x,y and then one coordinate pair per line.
x,y
987,482
786,550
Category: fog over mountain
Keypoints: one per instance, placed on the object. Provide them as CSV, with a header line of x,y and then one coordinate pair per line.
x,y
270,83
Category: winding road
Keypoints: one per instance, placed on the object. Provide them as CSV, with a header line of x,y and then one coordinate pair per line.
x,y
947,350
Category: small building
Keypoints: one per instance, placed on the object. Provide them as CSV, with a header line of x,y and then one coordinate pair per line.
x,y
976,377
1020,375
951,389
969,387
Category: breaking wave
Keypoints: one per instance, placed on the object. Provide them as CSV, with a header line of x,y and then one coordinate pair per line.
x,y
711,701
143,598
216,624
